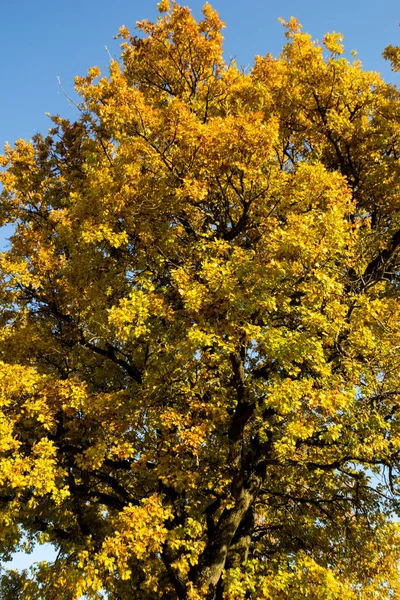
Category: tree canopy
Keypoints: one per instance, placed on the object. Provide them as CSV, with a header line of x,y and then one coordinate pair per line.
x,y
200,344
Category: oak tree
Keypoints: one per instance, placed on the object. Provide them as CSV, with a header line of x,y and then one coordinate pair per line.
x,y
200,344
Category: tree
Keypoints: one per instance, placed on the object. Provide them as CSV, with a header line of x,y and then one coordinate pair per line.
x,y
200,385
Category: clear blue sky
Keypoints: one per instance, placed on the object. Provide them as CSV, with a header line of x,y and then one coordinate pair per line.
x,y
43,40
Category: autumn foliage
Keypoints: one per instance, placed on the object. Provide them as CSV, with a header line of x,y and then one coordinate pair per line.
x,y
200,351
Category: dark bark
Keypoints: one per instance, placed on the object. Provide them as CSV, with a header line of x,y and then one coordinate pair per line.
x,y
207,574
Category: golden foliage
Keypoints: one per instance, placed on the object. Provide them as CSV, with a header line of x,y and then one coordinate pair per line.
x,y
200,345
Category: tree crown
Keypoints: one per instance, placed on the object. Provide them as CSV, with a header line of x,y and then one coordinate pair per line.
x,y
201,327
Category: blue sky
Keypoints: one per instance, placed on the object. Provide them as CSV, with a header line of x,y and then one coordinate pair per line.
x,y
43,40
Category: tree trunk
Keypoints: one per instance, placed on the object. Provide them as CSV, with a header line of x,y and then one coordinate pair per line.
x,y
208,572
